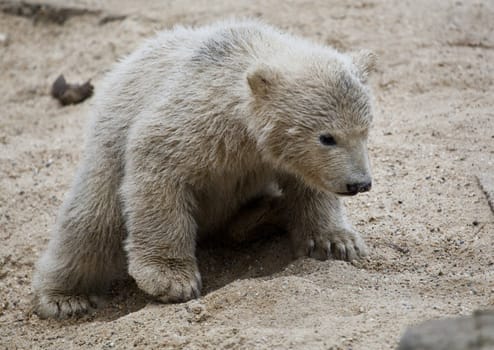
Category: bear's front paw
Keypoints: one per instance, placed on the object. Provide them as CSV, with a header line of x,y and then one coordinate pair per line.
x,y
170,280
343,244
61,306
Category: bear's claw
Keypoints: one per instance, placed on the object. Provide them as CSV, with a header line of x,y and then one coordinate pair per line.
x,y
342,245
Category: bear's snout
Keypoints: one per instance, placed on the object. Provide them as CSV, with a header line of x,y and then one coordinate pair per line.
x,y
358,187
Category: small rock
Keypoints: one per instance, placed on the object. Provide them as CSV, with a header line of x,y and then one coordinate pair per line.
x,y
195,307
198,311
4,39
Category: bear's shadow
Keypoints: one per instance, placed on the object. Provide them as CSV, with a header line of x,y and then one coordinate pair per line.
x,y
220,262
223,262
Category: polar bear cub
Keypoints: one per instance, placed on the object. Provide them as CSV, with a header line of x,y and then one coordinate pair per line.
x,y
186,131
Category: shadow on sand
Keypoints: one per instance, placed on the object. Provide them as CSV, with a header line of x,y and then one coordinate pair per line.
x,y
221,262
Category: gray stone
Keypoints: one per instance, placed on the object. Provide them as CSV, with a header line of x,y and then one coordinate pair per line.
x,y
474,332
486,182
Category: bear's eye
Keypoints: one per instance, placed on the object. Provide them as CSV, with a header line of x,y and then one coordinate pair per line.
x,y
327,140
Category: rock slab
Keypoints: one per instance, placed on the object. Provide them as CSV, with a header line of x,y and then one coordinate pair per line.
x,y
474,332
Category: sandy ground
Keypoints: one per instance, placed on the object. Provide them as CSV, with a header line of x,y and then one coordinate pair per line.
x,y
427,220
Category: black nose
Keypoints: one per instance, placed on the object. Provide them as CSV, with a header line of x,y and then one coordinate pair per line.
x,y
359,187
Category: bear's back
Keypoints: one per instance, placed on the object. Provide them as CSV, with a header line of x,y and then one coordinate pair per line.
x,y
182,56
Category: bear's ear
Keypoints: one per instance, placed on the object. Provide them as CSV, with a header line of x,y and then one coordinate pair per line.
x,y
366,62
262,79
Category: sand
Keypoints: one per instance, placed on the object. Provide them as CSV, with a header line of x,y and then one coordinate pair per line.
x,y
427,220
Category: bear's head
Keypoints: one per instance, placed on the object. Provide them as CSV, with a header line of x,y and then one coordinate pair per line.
x,y
312,116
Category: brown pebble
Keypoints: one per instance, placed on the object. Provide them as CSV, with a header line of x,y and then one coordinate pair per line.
x,y
70,93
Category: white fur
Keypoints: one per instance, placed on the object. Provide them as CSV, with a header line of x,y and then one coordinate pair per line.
x,y
189,129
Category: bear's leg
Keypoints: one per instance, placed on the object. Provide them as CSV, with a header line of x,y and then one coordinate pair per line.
x,y
318,226
161,236
85,252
